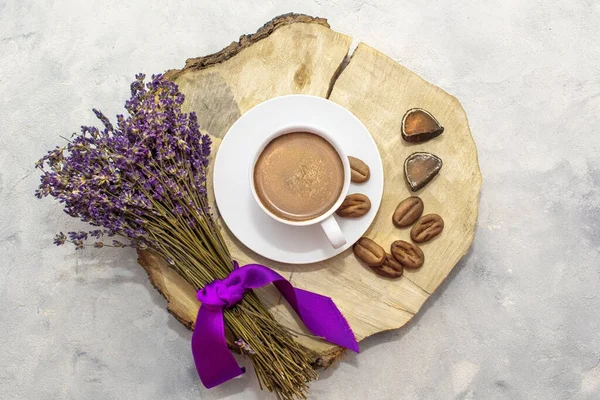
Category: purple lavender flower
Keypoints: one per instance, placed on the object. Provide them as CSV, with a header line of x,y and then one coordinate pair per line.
x,y
60,239
141,169
243,345
104,120
96,233
81,235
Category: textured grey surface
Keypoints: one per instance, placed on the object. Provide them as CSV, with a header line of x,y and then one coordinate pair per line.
x,y
519,318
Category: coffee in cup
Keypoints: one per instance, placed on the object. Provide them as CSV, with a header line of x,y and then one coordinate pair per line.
x,y
298,176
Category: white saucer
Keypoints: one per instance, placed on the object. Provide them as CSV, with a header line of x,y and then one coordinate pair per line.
x,y
247,221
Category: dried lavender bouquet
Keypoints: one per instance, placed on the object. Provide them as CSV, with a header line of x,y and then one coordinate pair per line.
x,y
145,180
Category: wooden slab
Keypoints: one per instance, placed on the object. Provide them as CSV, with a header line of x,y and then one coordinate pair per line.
x,y
300,54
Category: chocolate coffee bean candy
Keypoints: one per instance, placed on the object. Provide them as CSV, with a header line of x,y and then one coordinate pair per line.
x,y
407,254
369,252
420,169
359,171
354,206
390,268
426,228
419,125
408,211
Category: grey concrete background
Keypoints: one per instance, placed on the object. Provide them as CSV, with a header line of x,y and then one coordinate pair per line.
x,y
519,318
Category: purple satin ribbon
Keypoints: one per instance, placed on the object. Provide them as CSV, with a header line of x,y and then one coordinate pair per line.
x,y
214,362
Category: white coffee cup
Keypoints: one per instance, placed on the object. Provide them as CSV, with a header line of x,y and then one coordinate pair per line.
x,y
326,220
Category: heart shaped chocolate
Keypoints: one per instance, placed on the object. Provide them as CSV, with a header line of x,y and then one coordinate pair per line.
x,y
420,169
419,125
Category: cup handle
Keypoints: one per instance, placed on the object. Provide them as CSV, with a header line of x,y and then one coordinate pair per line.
x,y
333,232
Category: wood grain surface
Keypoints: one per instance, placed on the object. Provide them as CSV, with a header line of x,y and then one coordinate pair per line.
x,y
300,54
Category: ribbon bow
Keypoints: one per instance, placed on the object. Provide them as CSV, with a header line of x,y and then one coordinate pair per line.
x,y
214,362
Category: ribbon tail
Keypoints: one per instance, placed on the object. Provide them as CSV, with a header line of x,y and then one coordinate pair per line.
x,y
322,317
319,313
214,362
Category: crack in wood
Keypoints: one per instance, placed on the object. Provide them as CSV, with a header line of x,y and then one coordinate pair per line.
x,y
339,71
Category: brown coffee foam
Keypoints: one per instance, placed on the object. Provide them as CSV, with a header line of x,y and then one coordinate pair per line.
x,y
299,176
